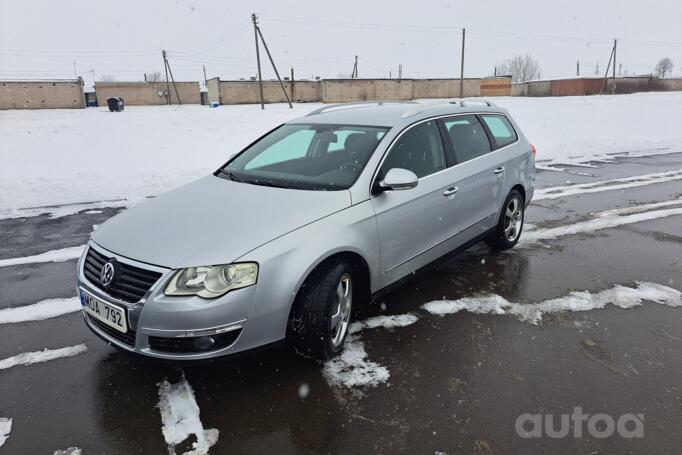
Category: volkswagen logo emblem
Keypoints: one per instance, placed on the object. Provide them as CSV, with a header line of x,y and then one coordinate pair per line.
x,y
106,276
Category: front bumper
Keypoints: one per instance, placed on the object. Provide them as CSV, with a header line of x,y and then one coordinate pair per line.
x,y
184,328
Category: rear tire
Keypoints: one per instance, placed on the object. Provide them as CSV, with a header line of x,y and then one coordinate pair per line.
x,y
320,317
510,224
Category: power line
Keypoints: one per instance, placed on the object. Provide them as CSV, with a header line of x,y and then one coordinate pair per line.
x,y
455,27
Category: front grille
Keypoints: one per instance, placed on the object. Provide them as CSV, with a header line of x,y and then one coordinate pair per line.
x,y
130,283
127,338
189,344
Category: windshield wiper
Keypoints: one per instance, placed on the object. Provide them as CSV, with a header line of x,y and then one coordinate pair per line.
x,y
229,175
269,183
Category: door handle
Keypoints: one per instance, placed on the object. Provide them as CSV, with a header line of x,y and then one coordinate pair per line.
x,y
450,191
499,170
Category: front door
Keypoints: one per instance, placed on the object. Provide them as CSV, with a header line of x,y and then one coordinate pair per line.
x,y
413,223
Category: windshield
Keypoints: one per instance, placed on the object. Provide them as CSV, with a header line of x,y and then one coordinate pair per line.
x,y
307,156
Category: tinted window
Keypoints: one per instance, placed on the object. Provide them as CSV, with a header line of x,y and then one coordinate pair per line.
x,y
501,129
307,156
468,137
419,149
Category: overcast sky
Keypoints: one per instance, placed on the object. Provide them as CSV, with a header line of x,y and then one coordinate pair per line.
x,y
124,38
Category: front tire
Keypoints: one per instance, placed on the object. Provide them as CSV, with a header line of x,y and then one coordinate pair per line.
x,y
320,317
510,223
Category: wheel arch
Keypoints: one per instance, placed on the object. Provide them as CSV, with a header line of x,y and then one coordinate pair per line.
x,y
356,259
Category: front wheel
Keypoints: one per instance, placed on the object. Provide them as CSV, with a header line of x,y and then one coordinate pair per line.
x,y
510,223
321,314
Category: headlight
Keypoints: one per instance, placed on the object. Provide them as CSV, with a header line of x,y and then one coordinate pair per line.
x,y
212,281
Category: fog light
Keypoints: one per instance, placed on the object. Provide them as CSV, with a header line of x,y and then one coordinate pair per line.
x,y
203,343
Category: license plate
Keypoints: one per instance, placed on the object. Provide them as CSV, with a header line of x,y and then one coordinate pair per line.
x,y
109,314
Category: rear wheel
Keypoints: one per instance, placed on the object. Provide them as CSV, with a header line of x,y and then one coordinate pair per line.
x,y
510,223
321,314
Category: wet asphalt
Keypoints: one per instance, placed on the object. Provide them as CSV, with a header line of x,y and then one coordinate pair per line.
x,y
457,383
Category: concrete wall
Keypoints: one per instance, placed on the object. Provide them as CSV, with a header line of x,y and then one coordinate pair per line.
x,y
347,90
213,87
672,84
444,88
55,94
245,92
147,93
574,87
535,88
593,86
496,86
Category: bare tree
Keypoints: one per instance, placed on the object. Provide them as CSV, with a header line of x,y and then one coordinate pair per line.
x,y
522,68
107,78
155,76
663,67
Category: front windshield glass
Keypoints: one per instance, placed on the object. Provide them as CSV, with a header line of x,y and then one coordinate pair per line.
x,y
307,156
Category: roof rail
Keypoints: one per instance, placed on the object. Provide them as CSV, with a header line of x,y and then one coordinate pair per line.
x,y
421,107
466,101
356,104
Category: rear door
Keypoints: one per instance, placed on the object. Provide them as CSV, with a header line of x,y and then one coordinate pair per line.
x,y
478,175
412,223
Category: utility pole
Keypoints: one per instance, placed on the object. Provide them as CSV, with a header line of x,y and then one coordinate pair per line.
x,y
292,83
354,74
461,66
613,86
205,78
272,62
400,72
165,67
577,68
254,19
93,76
74,69
606,74
169,71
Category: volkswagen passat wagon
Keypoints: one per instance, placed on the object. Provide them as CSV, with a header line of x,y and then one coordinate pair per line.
x,y
314,218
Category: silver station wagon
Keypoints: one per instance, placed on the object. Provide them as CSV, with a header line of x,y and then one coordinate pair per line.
x,y
312,220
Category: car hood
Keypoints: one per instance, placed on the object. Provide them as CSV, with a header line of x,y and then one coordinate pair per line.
x,y
212,221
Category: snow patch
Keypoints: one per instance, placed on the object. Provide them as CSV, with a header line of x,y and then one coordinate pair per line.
x,y
58,211
123,161
180,418
387,322
69,451
556,192
29,358
620,296
604,220
62,255
44,309
352,368
5,429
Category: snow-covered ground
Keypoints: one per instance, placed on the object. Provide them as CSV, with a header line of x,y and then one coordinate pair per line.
x,y
51,157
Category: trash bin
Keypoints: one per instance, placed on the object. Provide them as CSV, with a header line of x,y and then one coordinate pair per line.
x,y
115,104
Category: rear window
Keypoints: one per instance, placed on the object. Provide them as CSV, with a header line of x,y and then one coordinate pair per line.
x,y
467,136
501,129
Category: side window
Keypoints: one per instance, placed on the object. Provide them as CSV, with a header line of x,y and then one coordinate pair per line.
x,y
468,137
419,149
501,129
290,147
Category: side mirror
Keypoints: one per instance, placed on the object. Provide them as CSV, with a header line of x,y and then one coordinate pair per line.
x,y
399,179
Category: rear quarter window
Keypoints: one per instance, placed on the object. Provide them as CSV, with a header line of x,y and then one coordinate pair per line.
x,y
501,129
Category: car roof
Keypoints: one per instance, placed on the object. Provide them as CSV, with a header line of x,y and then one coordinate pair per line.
x,y
391,113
